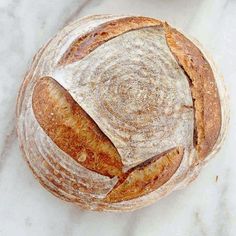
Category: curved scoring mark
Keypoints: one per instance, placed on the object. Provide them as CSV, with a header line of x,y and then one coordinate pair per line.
x,y
72,130
90,41
146,177
203,88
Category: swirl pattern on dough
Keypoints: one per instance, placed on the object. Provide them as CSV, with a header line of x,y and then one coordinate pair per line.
x,y
128,88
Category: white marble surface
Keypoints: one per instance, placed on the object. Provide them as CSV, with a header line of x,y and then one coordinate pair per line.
x,y
206,207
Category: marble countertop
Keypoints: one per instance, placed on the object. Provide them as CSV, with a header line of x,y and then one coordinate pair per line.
x,y
207,207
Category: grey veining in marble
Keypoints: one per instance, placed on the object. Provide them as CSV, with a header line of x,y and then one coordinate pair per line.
x,y
206,207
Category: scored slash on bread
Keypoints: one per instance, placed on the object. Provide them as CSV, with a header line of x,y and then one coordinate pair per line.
x,y
147,176
203,88
68,125
107,31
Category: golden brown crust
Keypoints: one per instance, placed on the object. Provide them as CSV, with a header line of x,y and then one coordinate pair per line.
x,y
90,41
70,135
68,125
146,177
203,88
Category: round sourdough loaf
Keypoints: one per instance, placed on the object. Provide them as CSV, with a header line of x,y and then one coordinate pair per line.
x,y
116,112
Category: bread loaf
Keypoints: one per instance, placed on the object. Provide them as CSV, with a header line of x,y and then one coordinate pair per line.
x,y
116,112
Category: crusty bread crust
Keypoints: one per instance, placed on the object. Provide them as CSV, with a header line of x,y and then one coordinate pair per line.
x,y
203,87
82,46
67,150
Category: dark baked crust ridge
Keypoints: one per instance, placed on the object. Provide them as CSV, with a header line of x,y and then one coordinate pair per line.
x,y
101,34
69,126
147,176
203,88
